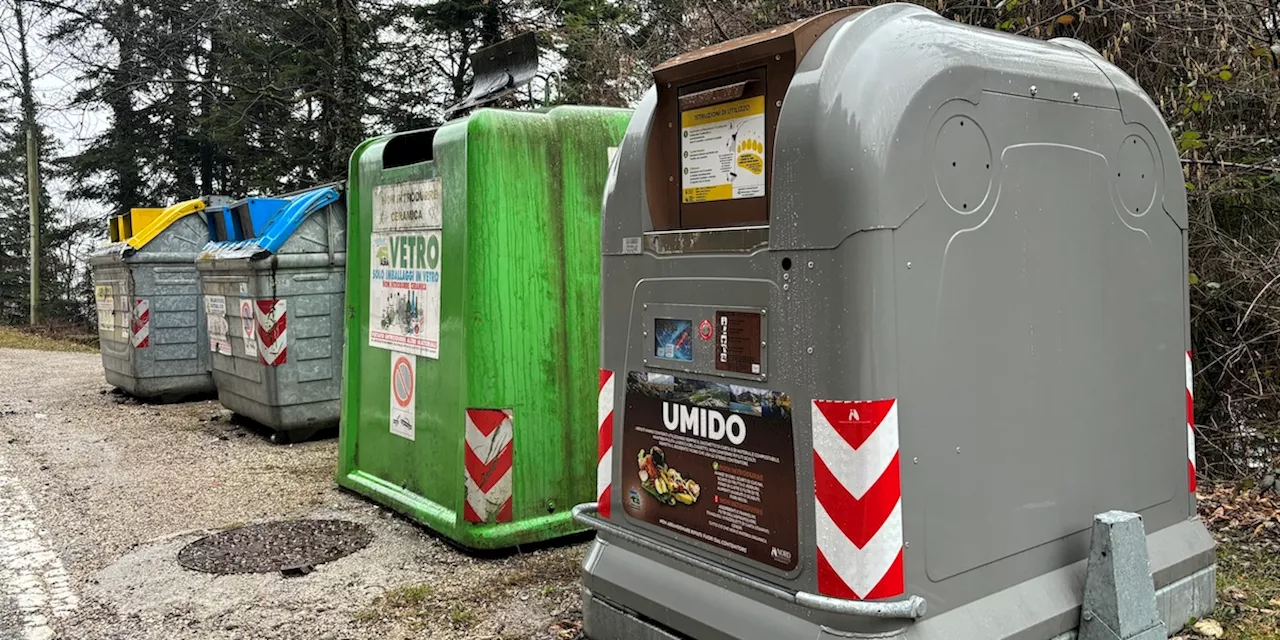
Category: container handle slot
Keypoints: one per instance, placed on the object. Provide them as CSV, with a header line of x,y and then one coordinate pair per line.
x,y
714,95
409,148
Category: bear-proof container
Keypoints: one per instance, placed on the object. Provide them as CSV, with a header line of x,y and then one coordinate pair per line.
x,y
892,307
149,310
273,311
472,328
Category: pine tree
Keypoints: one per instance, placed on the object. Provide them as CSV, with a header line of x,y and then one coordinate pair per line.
x,y
14,229
427,66
110,168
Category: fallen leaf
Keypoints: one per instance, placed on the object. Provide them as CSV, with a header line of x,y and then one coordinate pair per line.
x,y
1235,593
1208,628
1275,602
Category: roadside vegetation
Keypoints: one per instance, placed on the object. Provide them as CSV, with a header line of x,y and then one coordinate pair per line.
x,y
48,339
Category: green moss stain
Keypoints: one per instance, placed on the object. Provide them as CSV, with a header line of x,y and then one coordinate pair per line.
x,y
519,323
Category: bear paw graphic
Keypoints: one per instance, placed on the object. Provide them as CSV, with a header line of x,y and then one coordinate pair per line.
x,y
751,155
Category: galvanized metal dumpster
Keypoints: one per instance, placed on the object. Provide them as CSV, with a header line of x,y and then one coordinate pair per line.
x,y
148,302
273,310
472,330
892,307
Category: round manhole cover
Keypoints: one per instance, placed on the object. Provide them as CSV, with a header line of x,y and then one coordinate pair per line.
x,y
288,546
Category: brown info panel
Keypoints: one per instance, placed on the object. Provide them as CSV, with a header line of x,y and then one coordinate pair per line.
x,y
760,64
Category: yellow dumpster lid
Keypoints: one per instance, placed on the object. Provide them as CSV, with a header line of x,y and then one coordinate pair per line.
x,y
144,216
151,225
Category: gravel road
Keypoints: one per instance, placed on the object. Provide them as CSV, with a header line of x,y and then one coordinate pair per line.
x,y
98,493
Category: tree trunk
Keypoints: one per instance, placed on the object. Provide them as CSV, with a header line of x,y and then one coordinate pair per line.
x,y
127,127
347,94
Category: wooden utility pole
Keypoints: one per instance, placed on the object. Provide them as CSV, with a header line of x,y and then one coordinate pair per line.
x,y
33,200
33,158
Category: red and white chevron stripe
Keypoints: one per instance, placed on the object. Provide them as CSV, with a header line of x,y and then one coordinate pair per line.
x,y
488,459
273,337
858,499
141,324
1191,432
604,453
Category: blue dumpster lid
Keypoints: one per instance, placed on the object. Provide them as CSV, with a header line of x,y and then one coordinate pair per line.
x,y
219,224
241,221
288,219
251,216
275,218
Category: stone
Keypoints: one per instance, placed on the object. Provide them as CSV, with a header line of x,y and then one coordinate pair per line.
x,y
1119,593
1208,628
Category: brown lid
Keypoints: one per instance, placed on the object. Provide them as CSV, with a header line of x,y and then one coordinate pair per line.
x,y
757,67
796,36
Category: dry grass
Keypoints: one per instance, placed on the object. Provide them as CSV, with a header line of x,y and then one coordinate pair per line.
x,y
476,601
43,340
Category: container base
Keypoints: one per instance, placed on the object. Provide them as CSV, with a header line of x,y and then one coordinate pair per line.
x,y
448,523
630,595
299,421
166,389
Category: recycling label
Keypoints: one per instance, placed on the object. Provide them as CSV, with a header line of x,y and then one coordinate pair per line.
x,y
404,274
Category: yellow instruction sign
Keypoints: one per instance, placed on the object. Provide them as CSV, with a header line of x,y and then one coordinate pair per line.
x,y
722,153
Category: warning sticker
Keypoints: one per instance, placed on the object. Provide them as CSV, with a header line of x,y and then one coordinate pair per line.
x,y
722,153
714,462
404,380
404,270
215,310
248,328
104,300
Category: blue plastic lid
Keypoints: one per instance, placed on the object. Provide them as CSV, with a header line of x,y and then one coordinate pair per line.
x,y
219,220
288,219
252,215
276,219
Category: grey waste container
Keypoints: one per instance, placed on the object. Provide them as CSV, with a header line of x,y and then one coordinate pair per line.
x,y
891,308
148,303
274,312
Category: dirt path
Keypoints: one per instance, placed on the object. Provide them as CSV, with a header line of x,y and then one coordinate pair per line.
x,y
98,494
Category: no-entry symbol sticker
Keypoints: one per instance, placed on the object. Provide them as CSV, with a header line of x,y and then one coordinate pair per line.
x,y
404,379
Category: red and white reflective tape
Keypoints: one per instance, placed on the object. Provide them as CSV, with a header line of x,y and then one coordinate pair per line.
x,y
488,458
604,452
1191,432
858,499
272,319
140,324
